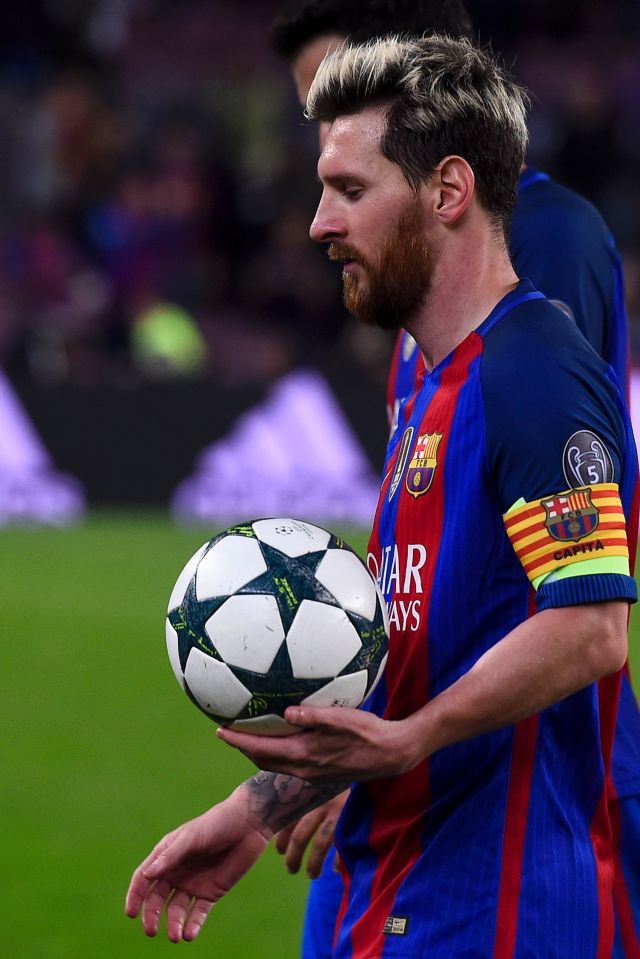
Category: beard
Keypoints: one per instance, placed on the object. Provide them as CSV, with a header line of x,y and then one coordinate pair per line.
x,y
395,285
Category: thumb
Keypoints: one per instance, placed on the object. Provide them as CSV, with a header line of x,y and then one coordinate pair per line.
x,y
165,856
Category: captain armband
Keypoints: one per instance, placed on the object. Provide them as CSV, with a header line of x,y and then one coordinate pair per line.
x,y
579,532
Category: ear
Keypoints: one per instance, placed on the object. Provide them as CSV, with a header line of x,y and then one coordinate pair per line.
x,y
453,184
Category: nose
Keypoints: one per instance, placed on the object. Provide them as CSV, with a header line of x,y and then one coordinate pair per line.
x,y
327,225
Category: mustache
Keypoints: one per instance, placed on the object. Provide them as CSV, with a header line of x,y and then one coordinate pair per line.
x,y
340,253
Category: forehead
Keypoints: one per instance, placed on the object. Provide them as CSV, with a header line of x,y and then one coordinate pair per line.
x,y
352,144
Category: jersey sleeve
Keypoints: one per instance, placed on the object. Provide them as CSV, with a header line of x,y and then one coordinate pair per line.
x,y
558,457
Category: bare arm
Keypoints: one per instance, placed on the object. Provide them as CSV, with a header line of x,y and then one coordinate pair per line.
x,y
194,866
543,660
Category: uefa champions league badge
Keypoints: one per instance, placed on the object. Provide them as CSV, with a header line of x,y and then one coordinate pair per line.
x,y
423,464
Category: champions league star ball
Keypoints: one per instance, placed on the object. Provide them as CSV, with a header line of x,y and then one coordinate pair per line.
x,y
275,613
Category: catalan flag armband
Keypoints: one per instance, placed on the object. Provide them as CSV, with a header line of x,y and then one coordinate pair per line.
x,y
577,526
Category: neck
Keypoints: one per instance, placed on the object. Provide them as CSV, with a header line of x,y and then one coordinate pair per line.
x,y
471,275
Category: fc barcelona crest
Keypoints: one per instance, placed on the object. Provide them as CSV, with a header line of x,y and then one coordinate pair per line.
x,y
571,516
423,464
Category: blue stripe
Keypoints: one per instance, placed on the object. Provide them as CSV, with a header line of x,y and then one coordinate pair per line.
x,y
559,909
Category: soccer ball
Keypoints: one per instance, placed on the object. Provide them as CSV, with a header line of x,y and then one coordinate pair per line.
x,y
274,613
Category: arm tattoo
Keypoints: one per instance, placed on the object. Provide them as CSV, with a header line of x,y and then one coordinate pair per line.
x,y
277,800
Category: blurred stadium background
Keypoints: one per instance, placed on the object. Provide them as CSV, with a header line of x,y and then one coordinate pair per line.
x,y
157,289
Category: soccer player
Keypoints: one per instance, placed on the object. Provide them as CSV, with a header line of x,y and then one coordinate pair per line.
x,y
478,824
560,242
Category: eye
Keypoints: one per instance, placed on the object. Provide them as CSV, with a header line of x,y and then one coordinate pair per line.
x,y
352,193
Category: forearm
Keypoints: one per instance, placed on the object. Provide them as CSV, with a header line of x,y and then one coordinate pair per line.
x,y
276,800
545,659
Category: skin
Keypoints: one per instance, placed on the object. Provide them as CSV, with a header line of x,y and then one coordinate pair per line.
x,y
305,65
543,660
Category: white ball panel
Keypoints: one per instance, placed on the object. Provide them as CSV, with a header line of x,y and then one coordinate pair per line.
x,y
228,566
291,536
321,641
172,649
214,686
247,631
349,581
264,726
177,594
346,690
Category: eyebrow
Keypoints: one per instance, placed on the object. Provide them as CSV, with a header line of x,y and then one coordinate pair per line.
x,y
336,179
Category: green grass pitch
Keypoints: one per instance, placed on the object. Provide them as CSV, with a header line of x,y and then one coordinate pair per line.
x,y
102,752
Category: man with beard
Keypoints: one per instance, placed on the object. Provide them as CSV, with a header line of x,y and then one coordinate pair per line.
x,y
560,242
478,824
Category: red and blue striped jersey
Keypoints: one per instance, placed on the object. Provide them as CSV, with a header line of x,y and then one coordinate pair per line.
x,y
560,242
498,846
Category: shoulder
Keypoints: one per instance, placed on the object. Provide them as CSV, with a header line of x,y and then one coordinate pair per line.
x,y
542,384
546,199
556,212
537,342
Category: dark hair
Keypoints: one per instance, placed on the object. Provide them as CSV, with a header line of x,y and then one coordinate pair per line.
x,y
444,97
362,20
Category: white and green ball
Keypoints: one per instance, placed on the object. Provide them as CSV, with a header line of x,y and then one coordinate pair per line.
x,y
275,613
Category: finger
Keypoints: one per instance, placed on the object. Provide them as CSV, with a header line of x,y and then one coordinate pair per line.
x,y
269,753
141,880
300,838
310,717
177,912
167,854
153,906
252,745
136,893
199,912
282,839
321,844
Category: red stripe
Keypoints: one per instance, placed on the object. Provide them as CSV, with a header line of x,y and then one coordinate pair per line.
x,y
523,754
346,882
520,517
632,526
405,798
600,829
621,900
582,556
